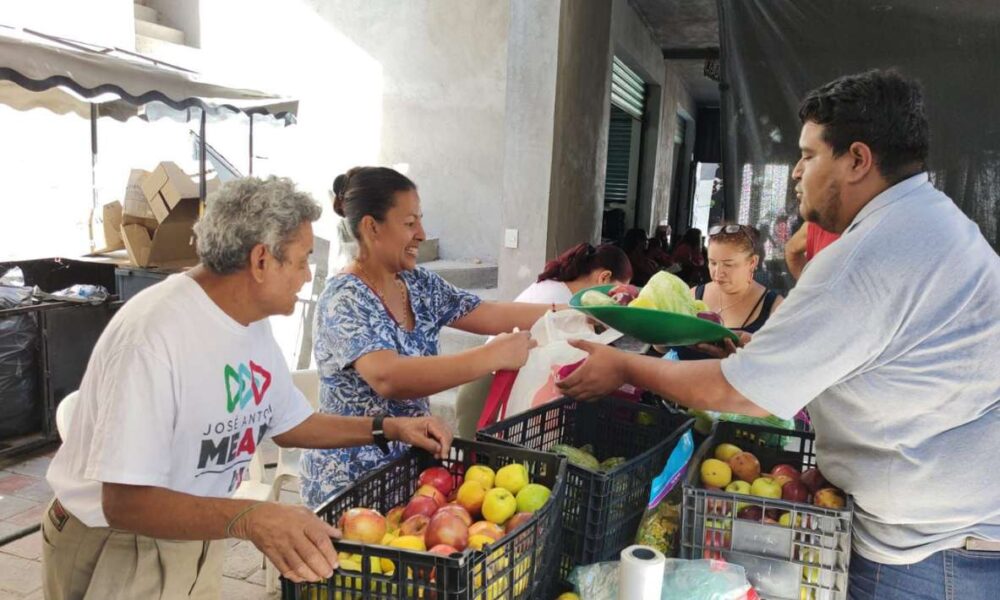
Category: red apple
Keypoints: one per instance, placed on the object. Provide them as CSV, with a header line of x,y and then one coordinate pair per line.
x,y
623,294
829,498
439,477
709,315
745,466
443,550
420,505
456,510
751,513
446,528
786,471
794,491
813,479
394,517
491,530
431,492
415,525
363,525
515,521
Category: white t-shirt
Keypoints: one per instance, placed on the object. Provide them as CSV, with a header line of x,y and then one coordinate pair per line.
x,y
548,291
892,338
176,395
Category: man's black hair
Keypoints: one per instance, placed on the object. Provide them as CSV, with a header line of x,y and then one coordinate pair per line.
x,y
882,109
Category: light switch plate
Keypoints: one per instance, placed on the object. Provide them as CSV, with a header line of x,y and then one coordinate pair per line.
x,y
510,238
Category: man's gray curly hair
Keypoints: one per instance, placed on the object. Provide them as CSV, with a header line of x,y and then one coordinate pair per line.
x,y
247,212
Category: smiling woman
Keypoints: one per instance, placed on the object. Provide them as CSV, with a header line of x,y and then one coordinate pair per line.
x,y
378,324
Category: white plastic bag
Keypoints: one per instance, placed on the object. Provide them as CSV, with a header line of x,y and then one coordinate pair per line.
x,y
536,380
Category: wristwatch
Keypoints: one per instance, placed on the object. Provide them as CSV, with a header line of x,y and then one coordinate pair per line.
x,y
378,433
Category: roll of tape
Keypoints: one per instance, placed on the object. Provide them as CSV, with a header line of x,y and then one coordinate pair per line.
x,y
640,573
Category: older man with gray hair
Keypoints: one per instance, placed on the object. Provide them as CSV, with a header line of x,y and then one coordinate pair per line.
x,y
183,386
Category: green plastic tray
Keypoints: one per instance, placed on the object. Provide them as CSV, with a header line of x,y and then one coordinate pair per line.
x,y
653,326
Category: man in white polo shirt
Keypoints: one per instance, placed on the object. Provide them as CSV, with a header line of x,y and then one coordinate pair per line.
x,y
183,386
892,340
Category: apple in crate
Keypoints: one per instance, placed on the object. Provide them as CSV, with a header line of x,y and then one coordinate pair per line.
x,y
420,505
449,529
456,510
513,522
745,466
490,530
439,478
415,525
813,479
363,525
394,518
443,550
829,498
433,493
794,491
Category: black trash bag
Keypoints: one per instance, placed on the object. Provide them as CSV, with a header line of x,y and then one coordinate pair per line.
x,y
20,411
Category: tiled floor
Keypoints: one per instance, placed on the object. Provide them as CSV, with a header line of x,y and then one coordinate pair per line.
x,y
24,494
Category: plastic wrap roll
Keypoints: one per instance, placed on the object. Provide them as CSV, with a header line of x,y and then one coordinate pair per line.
x,y
640,573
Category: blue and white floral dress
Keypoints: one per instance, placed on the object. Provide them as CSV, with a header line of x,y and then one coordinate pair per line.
x,y
351,322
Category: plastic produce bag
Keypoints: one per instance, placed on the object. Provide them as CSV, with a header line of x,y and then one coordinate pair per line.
x,y
662,519
19,410
701,579
536,380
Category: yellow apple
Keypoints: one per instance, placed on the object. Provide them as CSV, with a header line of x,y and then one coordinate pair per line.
x,y
724,452
482,474
499,505
512,478
716,473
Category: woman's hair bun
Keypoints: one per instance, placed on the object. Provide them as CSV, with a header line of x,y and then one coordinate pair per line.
x,y
339,187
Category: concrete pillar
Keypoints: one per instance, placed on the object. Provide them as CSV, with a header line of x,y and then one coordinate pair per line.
x,y
555,147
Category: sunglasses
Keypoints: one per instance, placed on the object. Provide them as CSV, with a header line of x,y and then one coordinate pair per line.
x,y
731,230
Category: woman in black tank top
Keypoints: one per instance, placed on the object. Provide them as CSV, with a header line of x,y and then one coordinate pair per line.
x,y
744,304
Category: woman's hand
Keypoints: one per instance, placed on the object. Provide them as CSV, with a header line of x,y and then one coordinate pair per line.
x,y
428,433
509,351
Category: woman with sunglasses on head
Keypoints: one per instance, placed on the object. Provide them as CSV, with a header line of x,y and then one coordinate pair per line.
x,y
743,304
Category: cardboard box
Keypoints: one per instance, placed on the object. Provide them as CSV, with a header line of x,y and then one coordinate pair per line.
x,y
111,219
171,244
157,225
135,208
166,187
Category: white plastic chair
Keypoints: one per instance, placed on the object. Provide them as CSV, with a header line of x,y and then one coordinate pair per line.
x,y
256,488
64,413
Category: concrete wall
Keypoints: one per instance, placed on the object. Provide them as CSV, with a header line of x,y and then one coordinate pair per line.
x,y
557,117
419,85
676,99
104,22
633,43
444,70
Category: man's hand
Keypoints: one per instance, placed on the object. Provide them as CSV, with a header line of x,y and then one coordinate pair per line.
x,y
293,538
509,351
428,433
601,373
728,346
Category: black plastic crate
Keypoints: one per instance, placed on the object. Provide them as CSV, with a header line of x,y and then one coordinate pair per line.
x,y
807,559
517,567
602,510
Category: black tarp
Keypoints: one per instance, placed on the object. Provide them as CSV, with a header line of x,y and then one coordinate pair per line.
x,y
775,51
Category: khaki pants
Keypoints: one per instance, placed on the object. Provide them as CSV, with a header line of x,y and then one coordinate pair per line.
x,y
98,563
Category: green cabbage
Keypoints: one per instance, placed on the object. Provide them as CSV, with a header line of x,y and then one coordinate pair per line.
x,y
667,292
